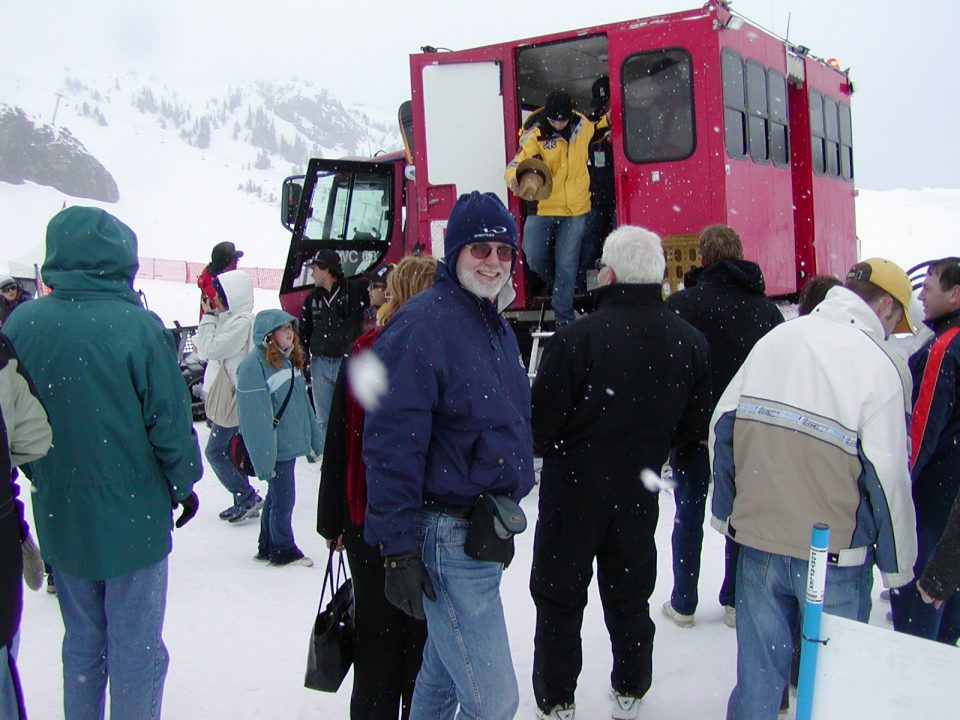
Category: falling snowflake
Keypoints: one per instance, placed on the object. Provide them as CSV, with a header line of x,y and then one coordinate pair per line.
x,y
368,379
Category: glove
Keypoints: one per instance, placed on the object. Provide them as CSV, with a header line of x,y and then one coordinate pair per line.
x,y
32,563
190,504
406,583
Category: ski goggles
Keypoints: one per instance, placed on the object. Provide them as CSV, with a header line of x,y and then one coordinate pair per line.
x,y
481,251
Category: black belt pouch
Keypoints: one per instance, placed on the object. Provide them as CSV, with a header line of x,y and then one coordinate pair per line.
x,y
494,522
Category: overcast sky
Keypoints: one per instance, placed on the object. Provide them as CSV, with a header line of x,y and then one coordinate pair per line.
x,y
903,56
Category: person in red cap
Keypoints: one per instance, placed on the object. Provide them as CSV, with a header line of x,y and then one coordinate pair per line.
x,y
223,257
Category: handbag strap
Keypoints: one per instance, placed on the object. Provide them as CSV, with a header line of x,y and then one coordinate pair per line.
x,y
293,377
328,577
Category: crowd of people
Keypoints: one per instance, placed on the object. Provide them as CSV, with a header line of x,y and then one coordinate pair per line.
x,y
794,422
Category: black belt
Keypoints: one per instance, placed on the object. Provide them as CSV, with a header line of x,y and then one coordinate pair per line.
x,y
457,511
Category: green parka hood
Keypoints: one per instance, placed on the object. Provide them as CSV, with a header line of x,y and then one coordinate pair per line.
x,y
88,249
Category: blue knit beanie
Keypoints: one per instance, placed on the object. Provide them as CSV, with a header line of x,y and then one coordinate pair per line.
x,y
477,217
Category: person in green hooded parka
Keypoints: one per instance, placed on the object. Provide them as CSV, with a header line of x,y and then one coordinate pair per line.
x,y
125,455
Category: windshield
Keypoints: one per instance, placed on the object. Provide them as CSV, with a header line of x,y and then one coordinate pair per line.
x,y
348,206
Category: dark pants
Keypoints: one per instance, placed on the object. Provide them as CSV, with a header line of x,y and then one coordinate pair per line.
x,y
691,470
910,613
581,518
387,645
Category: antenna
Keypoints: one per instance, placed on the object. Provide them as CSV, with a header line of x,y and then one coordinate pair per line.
x,y
787,38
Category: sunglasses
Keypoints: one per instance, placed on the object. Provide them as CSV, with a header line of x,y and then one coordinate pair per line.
x,y
481,251
8,288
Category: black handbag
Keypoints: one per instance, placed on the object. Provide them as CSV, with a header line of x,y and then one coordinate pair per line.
x,y
331,641
239,457
493,523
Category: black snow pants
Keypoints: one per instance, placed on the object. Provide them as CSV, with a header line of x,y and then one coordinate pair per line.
x,y
388,644
585,516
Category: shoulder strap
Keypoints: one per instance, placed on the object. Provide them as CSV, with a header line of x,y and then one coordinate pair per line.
x,y
918,423
293,377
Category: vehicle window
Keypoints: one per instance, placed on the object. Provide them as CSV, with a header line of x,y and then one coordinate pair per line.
x,y
351,212
779,142
734,104
658,116
757,111
817,138
831,126
346,206
846,143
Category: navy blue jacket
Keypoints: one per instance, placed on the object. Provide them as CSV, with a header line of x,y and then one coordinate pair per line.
x,y
936,470
456,420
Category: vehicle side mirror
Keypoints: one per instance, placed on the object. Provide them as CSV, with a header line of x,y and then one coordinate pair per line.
x,y
290,202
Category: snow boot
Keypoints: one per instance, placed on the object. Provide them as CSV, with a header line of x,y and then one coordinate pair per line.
x,y
564,711
248,510
681,620
625,707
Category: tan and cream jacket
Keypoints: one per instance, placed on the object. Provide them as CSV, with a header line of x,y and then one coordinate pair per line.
x,y
813,428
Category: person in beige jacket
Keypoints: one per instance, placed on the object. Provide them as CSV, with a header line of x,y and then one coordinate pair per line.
x,y
812,429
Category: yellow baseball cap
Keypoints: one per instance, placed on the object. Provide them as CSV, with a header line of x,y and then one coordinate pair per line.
x,y
891,278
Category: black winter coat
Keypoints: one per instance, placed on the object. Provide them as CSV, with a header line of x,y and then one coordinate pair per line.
x,y
331,321
728,306
936,469
620,387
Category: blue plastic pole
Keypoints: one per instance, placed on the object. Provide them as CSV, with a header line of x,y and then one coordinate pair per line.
x,y
816,581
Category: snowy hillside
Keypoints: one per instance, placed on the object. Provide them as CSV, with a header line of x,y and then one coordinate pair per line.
x,y
193,165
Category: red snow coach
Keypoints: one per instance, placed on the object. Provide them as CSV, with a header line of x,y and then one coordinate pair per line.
x,y
713,120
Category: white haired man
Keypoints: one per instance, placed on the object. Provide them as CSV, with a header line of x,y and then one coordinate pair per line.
x,y
615,391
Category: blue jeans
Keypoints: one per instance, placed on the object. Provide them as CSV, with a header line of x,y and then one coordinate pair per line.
x,y
910,613
276,526
323,379
691,470
466,660
217,453
771,591
563,235
113,629
10,695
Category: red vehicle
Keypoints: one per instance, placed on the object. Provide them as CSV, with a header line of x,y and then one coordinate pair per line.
x,y
713,121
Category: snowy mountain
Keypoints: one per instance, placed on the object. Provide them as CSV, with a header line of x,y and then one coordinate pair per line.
x,y
199,163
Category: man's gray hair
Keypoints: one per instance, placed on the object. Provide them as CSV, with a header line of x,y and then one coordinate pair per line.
x,y
635,255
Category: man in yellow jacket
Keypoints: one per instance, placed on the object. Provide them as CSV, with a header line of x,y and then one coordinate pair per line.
x,y
560,136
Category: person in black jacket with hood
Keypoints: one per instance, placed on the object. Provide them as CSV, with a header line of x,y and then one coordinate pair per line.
x,y
615,391
724,299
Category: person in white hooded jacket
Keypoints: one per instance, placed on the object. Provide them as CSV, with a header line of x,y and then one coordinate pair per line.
x,y
812,429
224,338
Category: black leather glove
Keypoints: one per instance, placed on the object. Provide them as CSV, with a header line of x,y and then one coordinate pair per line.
x,y
406,583
190,504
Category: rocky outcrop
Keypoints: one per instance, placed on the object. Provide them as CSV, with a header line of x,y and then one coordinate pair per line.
x,y
50,156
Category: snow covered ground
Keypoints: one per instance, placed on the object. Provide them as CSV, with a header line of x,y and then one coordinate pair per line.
x,y
237,631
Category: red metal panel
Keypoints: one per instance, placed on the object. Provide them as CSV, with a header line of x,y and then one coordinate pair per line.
x,y
677,197
834,219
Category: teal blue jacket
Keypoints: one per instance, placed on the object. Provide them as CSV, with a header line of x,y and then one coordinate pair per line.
x,y
261,389
124,448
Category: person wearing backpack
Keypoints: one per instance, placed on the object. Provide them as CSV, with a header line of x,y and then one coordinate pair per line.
x,y
278,425
224,338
